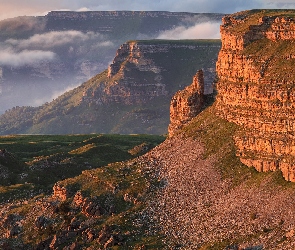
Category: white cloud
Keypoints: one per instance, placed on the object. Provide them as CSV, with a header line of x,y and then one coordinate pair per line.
x,y
103,44
17,59
207,30
83,9
53,39
23,23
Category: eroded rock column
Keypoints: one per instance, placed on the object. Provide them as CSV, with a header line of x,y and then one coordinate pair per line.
x,y
187,103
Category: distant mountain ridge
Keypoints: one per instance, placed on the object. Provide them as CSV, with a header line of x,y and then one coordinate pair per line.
x,y
133,96
126,22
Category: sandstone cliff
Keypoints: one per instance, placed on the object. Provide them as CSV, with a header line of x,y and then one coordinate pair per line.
x,y
141,69
186,104
256,87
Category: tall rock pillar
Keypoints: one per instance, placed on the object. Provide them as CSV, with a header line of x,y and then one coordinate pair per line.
x,y
186,104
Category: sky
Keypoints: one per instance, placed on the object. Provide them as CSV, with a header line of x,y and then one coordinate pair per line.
x,y
13,8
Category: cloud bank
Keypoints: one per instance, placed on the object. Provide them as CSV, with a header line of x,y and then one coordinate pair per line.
x,y
207,30
17,59
22,23
44,47
53,39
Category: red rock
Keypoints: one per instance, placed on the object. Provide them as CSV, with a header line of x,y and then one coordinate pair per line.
x,y
251,95
186,104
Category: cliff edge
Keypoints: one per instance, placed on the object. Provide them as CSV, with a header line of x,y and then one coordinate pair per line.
x,y
256,87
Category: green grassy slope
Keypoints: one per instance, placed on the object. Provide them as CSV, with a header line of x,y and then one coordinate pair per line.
x,y
36,162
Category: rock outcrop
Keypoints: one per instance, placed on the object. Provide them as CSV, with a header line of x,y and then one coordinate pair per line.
x,y
60,192
139,72
187,103
256,87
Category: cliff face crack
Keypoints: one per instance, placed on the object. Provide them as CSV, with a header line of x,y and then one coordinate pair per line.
x,y
256,88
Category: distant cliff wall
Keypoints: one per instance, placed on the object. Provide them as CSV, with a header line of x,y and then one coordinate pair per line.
x,y
256,88
144,70
120,24
133,96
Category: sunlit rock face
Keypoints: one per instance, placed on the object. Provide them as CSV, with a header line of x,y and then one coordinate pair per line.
x,y
255,87
186,103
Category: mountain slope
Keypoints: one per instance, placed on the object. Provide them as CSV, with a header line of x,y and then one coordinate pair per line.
x,y
210,200
133,96
186,193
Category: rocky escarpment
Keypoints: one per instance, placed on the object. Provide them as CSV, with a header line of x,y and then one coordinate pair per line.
x,y
256,87
186,104
143,70
116,22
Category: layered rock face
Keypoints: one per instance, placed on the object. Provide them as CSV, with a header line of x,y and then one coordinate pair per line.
x,y
256,87
144,70
133,58
186,104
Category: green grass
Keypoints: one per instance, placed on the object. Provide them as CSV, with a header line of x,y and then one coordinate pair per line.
x,y
42,160
108,183
108,186
251,17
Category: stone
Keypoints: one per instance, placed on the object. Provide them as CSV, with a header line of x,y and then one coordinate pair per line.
x,y
61,192
290,233
78,198
186,104
104,235
11,220
41,222
14,231
109,243
92,208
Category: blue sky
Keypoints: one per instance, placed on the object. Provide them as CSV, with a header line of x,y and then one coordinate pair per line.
x,y
12,8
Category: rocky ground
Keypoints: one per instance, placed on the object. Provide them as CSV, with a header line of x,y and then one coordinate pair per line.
x,y
177,196
198,209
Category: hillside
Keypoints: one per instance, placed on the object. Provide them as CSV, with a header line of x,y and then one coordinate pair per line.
x,y
42,57
133,96
196,190
186,193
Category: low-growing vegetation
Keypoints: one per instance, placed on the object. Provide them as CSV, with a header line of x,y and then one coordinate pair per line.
x,y
38,161
104,202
